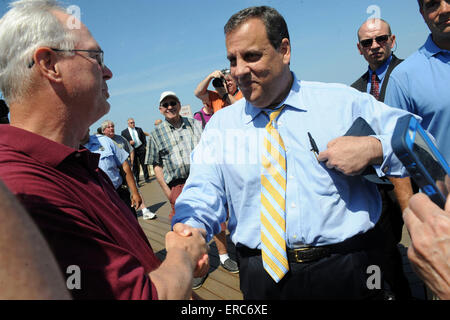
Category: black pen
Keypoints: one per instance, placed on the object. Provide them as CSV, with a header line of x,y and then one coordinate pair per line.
x,y
314,148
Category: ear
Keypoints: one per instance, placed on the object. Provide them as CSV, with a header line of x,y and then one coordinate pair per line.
x,y
359,48
46,61
285,50
393,41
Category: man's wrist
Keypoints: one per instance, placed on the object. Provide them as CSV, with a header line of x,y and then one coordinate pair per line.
x,y
375,151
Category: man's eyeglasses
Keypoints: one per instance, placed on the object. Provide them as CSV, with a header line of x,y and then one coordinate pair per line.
x,y
99,55
366,43
171,103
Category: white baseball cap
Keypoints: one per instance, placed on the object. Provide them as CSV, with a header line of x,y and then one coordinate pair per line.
x,y
166,94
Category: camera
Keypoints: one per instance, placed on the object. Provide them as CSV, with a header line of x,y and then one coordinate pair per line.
x,y
218,82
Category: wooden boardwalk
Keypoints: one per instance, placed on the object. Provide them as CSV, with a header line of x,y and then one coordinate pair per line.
x,y
220,284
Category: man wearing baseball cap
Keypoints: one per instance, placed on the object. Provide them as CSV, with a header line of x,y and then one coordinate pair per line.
x,y
170,147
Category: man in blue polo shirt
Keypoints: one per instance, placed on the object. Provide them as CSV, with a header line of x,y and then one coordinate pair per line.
x,y
112,160
420,84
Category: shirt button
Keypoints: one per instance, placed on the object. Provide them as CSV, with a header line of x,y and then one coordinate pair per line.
x,y
77,155
291,177
293,205
294,236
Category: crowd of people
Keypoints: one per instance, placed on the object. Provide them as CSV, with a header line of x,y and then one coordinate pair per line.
x,y
306,223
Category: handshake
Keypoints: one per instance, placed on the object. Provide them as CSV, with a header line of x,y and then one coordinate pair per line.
x,y
191,242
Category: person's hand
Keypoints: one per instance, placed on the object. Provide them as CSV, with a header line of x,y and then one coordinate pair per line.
x,y
216,74
202,264
173,278
429,253
132,142
351,155
223,89
136,200
444,187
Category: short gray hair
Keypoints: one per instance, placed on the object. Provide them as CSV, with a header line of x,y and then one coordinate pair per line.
x,y
28,25
105,124
276,27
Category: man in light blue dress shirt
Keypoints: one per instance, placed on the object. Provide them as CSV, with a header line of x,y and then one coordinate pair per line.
x,y
420,84
331,211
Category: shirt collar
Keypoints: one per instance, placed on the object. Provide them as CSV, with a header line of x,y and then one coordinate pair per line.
x,y
430,48
293,99
171,126
381,71
93,143
38,147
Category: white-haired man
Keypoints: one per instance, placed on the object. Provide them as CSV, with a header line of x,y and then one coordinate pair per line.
x,y
108,129
54,81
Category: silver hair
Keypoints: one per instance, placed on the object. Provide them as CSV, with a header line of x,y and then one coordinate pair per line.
x,y
105,124
28,25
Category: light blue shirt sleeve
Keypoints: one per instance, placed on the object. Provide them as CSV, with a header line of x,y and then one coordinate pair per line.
x,y
111,157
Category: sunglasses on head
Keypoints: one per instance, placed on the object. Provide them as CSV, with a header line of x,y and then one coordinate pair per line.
x,y
380,40
171,103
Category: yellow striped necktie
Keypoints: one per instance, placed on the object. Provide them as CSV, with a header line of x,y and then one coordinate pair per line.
x,y
273,203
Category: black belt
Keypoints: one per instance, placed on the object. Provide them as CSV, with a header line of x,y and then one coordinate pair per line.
x,y
358,242
176,182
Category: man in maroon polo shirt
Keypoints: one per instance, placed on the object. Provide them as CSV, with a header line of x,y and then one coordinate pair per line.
x,y
54,80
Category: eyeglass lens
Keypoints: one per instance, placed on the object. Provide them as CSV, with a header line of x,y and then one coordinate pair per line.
x,y
171,103
380,40
100,57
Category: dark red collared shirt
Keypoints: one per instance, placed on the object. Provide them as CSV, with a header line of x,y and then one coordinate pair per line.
x,y
80,214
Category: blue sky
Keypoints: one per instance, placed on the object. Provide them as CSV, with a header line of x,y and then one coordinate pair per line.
x,y
157,45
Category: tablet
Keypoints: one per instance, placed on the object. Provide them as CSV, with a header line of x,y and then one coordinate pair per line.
x,y
422,159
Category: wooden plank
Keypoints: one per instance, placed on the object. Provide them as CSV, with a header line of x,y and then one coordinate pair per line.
x,y
222,291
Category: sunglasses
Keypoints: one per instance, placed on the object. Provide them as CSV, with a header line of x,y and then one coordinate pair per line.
x,y
171,103
380,40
